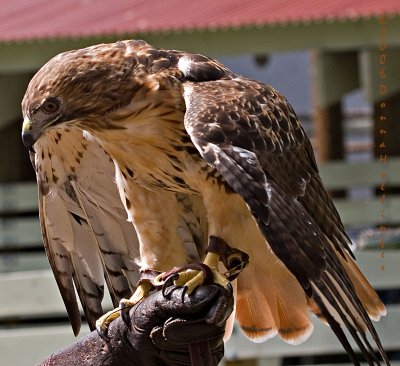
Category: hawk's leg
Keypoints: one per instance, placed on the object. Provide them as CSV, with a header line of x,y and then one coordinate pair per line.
x,y
141,292
218,250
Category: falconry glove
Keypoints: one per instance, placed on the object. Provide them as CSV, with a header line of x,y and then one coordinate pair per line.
x,y
164,330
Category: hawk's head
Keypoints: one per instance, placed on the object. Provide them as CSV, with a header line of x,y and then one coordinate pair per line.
x,y
80,85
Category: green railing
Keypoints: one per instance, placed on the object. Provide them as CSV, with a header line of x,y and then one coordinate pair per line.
x,y
29,292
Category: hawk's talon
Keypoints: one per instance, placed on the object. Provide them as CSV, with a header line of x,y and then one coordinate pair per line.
x,y
124,312
103,322
167,283
184,291
194,275
160,279
188,277
102,334
196,279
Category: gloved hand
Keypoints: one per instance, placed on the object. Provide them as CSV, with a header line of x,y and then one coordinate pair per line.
x,y
163,330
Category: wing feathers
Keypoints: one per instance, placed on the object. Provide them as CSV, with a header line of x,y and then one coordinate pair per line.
x,y
370,299
321,302
110,236
84,224
60,262
277,177
85,231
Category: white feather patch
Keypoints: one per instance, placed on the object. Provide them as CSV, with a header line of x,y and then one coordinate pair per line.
x,y
185,64
88,136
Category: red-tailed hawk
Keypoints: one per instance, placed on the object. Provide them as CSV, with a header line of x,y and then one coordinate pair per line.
x,y
176,123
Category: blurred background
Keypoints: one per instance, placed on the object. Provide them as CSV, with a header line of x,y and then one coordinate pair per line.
x,y
338,64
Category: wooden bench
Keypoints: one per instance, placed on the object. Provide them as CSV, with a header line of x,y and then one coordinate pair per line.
x,y
33,320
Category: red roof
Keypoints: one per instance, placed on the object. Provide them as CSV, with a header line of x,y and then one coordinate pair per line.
x,y
41,19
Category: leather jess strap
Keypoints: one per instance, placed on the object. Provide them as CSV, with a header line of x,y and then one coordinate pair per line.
x,y
233,259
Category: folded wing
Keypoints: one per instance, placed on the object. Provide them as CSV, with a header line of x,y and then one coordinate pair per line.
x,y
251,135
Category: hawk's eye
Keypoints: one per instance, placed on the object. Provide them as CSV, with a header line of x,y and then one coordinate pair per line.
x,y
51,105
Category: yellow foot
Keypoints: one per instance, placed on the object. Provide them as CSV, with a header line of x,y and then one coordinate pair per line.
x,y
193,278
194,275
104,321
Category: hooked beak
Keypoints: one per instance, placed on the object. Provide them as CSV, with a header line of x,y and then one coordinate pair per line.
x,y
28,136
